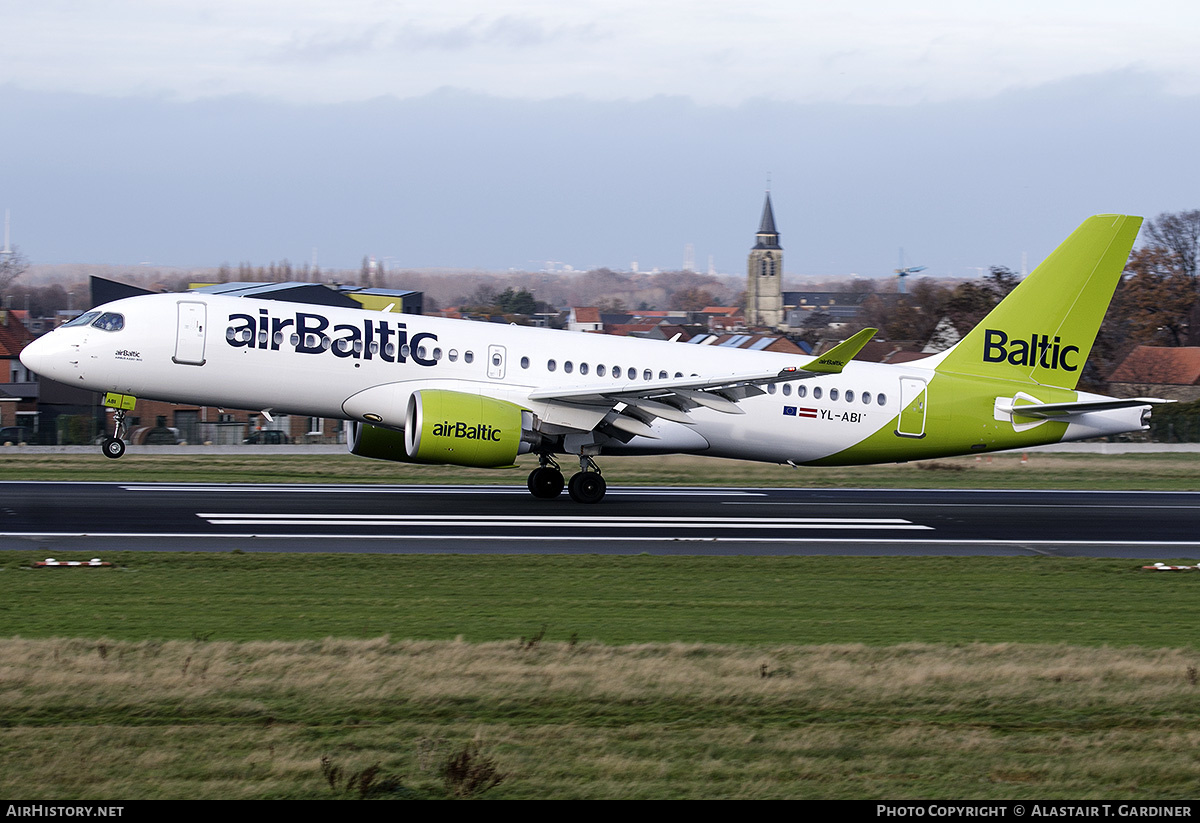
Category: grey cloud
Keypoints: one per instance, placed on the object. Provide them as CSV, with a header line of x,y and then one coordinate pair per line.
x,y
509,31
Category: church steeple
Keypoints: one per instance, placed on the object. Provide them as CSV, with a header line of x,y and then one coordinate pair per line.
x,y
764,275
767,237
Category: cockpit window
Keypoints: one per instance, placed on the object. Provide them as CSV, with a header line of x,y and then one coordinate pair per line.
x,y
83,319
110,321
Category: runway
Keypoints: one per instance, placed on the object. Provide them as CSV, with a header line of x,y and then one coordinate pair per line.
x,y
506,519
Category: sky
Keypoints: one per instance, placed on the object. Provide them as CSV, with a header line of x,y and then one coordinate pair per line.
x,y
527,134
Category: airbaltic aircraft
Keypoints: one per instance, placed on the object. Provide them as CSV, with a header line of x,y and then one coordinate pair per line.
x,y
430,390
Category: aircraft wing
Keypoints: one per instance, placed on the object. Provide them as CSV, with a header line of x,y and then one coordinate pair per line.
x,y
631,406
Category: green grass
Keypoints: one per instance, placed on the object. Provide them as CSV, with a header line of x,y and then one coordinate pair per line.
x,y
612,600
1160,471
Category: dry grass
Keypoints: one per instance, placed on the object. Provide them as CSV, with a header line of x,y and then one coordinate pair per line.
x,y
106,719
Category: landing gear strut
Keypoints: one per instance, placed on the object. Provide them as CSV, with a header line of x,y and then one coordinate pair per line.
x,y
587,486
114,446
546,481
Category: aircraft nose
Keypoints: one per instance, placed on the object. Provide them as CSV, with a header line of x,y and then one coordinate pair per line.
x,y
44,356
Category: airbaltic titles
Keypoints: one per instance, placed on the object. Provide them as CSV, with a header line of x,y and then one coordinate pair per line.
x,y
307,333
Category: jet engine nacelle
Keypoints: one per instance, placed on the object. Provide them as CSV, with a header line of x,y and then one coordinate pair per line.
x,y
466,429
365,440
450,427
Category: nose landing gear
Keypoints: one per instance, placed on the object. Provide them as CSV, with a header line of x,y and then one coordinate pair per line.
x,y
114,446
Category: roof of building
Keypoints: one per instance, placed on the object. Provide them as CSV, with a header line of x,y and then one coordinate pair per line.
x,y
753,342
13,336
1170,365
586,314
629,329
293,291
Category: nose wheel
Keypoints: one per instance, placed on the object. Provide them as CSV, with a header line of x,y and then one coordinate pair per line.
x,y
113,447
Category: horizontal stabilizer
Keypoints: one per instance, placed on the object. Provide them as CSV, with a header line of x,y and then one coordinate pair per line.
x,y
1059,410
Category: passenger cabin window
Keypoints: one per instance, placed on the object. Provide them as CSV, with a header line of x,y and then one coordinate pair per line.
x,y
524,362
551,365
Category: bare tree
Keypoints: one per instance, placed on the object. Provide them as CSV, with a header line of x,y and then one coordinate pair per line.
x,y
12,265
1178,233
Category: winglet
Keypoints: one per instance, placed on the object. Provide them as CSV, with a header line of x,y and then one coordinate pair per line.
x,y
834,360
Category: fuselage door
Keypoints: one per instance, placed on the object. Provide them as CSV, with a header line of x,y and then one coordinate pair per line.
x,y
496,362
189,335
913,404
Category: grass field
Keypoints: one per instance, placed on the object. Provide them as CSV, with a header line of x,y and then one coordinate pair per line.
x,y
234,675
1163,471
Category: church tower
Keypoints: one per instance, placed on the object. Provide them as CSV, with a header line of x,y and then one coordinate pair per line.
x,y
764,275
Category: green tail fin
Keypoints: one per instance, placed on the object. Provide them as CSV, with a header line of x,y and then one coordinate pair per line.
x,y
1043,331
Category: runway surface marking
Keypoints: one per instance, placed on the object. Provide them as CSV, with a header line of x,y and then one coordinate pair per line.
x,y
1027,544
246,487
563,521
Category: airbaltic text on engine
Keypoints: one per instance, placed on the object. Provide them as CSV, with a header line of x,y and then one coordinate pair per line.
x,y
461,430
307,334
1038,350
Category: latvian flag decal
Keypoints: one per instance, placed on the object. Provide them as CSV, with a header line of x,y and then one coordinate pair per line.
x,y
792,411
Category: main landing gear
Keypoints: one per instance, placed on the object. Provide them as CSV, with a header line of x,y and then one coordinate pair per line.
x,y
546,481
586,486
114,446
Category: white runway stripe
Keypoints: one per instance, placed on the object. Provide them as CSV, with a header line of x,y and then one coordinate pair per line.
x,y
565,521
647,491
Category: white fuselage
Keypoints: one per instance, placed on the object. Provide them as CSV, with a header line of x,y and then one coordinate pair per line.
x,y
361,365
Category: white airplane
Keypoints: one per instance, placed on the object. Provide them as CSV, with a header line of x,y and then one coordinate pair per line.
x,y
430,390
